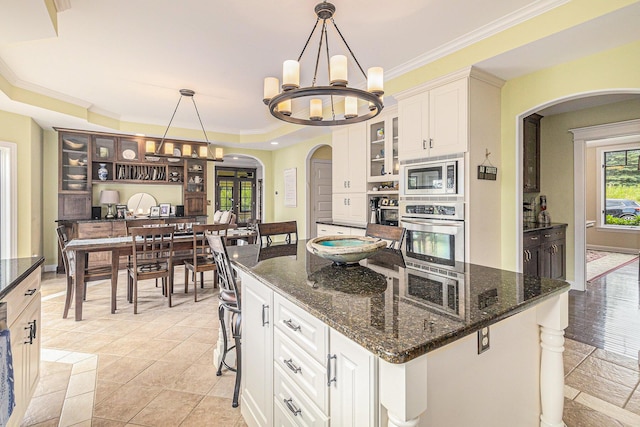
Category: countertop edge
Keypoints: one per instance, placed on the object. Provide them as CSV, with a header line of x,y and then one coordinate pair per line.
x,y
38,261
342,224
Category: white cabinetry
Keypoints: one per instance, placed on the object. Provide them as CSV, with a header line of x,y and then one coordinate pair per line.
x,y
315,376
23,319
333,230
382,152
257,352
349,199
434,122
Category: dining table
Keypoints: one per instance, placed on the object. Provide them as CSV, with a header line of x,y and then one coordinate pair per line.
x,y
122,246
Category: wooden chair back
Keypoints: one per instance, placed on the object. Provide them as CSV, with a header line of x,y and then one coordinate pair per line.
x,y
152,249
394,235
266,230
62,243
201,247
143,223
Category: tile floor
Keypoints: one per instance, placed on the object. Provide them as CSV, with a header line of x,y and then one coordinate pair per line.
x,y
155,368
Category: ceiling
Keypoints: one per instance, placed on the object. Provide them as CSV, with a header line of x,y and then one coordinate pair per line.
x,y
128,59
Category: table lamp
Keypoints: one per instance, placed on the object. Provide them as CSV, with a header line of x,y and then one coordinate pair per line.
x,y
109,198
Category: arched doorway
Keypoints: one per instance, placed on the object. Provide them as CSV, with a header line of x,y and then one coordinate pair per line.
x,y
576,256
319,171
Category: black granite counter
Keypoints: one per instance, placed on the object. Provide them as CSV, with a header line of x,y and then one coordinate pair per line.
x,y
13,271
535,226
395,312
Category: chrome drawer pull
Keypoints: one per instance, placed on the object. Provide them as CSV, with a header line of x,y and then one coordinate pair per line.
x,y
265,308
30,292
291,325
329,379
291,366
295,411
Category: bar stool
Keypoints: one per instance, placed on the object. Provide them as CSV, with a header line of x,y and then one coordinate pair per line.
x,y
229,304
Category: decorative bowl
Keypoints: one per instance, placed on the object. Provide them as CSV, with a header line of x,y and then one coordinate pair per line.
x,y
74,186
345,249
76,177
73,145
74,162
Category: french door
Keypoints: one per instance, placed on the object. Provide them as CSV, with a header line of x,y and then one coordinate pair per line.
x,y
236,192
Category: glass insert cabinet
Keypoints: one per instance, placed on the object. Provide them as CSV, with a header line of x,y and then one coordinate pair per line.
x,y
86,158
383,164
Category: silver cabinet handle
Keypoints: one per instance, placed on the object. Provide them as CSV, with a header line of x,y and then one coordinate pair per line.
x,y
30,292
546,236
348,202
329,379
291,325
348,184
265,309
290,365
424,144
534,238
430,142
295,411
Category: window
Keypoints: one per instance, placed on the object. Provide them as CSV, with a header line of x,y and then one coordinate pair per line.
x,y
621,187
8,200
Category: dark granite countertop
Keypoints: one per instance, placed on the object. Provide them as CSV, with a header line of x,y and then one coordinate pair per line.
x,y
372,304
535,226
14,270
342,224
128,219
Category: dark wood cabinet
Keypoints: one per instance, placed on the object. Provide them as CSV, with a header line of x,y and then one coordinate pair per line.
x,y
544,252
531,153
87,158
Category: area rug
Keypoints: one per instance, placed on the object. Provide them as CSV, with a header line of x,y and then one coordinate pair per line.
x,y
600,263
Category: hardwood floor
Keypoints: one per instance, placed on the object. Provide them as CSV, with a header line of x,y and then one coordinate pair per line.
x,y
607,314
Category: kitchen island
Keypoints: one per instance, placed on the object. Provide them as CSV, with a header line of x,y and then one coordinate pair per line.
x,y
380,344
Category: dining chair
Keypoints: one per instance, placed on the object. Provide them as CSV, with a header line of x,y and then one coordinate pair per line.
x,y
201,259
230,305
394,235
90,273
152,249
266,230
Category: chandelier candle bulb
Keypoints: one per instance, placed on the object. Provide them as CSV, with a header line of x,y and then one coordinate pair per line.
x,y
315,108
375,80
186,150
285,107
168,148
150,147
350,107
203,151
338,70
290,74
271,88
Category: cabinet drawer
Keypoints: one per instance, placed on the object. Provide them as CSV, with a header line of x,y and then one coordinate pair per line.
x,y
119,229
552,234
302,369
98,229
332,230
294,403
22,295
531,239
305,330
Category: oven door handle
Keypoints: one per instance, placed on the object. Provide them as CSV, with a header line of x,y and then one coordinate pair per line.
x,y
455,223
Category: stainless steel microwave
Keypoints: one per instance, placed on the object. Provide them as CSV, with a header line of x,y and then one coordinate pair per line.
x,y
433,178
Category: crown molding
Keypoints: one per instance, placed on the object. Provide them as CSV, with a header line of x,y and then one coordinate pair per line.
x,y
495,27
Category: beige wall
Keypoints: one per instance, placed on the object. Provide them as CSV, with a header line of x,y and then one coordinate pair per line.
x,y
27,135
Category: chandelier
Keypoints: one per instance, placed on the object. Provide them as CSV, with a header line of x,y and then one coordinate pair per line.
x,y
280,102
205,153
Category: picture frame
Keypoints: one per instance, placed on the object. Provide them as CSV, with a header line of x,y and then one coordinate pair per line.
x,y
154,211
121,211
165,209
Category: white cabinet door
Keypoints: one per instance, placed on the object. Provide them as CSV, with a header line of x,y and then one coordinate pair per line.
x,y
414,124
340,160
357,163
353,394
448,118
257,352
350,207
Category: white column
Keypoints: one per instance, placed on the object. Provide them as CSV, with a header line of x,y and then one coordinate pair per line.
x,y
553,318
403,391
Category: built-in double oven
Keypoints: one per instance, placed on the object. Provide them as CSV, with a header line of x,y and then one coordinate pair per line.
x,y
433,251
